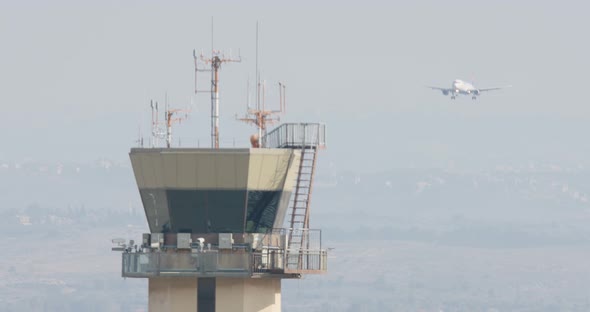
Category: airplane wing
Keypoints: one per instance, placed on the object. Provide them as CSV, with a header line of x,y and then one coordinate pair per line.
x,y
445,91
493,88
439,88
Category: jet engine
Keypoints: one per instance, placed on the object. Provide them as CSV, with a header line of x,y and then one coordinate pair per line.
x,y
445,92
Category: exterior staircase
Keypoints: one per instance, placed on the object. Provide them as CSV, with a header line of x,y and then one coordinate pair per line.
x,y
299,208
308,138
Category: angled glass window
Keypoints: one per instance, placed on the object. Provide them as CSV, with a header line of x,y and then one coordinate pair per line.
x,y
262,210
155,205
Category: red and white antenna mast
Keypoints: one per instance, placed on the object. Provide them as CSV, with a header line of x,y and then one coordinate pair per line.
x,y
170,120
215,60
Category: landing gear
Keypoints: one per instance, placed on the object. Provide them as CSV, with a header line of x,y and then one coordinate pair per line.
x,y
452,97
474,97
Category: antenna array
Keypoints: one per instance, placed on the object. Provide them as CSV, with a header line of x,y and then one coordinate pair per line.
x,y
260,116
215,61
169,119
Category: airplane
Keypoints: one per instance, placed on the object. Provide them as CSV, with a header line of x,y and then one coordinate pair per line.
x,y
463,87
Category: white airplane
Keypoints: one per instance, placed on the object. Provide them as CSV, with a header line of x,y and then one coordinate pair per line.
x,y
463,87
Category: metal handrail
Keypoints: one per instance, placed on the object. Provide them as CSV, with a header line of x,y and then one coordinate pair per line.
x,y
268,261
297,135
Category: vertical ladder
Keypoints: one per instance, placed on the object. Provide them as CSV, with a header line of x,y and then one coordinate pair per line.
x,y
299,207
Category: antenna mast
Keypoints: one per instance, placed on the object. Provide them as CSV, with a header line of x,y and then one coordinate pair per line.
x,y
216,59
156,131
260,117
171,120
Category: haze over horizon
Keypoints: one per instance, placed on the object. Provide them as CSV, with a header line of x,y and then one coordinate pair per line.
x,y
425,203
77,77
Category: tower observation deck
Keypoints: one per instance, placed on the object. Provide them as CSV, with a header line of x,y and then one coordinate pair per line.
x,y
227,224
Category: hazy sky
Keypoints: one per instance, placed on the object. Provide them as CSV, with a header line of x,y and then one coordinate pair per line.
x,y
76,78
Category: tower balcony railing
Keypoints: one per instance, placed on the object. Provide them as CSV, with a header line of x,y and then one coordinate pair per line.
x,y
268,254
297,135
311,261
210,263
267,262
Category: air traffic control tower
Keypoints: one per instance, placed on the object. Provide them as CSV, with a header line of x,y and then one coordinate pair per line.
x,y
227,224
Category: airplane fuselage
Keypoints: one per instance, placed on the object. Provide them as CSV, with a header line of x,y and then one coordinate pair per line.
x,y
463,87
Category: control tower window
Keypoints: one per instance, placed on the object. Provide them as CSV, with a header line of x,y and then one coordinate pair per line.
x,y
262,210
207,211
